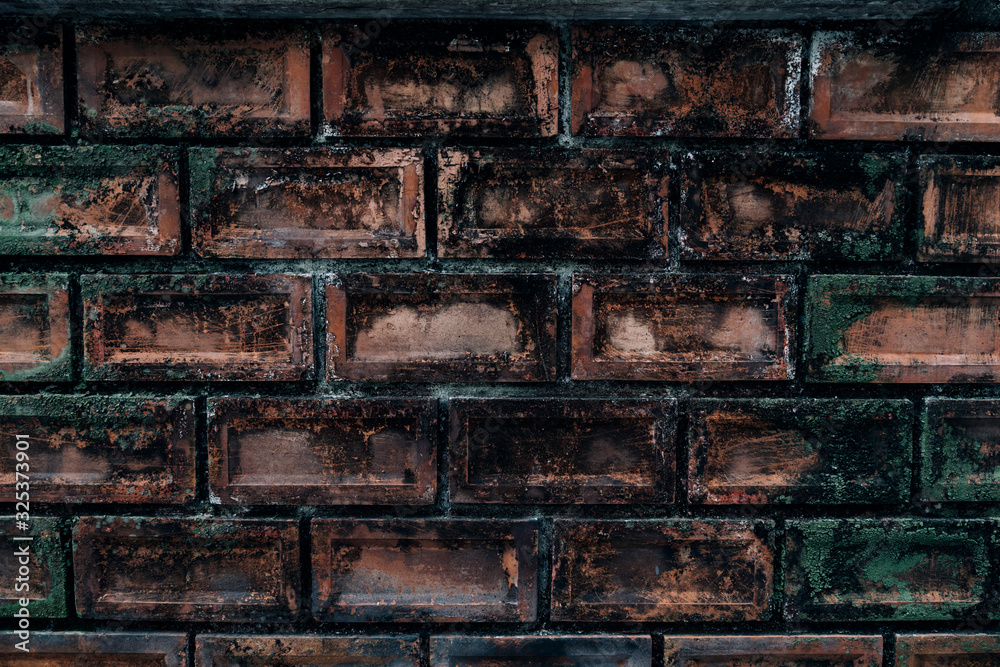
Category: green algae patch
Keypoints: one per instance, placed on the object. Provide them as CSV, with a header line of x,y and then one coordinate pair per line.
x,y
960,450
47,580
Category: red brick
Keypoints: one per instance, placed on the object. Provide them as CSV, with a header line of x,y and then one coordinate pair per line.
x,y
100,449
424,570
663,570
638,81
755,650
902,329
46,581
31,78
306,651
682,327
441,327
196,569
102,649
34,328
323,452
208,327
308,203
562,450
960,450
88,200
783,206
207,80
960,210
418,79
567,650
808,451
525,203
936,86
960,649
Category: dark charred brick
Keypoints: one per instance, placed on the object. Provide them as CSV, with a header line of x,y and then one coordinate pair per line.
x,y
88,200
101,649
885,569
409,79
34,327
749,451
191,327
960,450
568,651
441,327
31,77
662,570
424,570
192,80
682,327
99,449
773,650
648,81
902,329
792,207
308,203
927,85
316,452
306,651
520,203
46,578
960,211
193,569
562,450
959,649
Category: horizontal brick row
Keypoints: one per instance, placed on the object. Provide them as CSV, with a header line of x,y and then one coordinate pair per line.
x,y
487,570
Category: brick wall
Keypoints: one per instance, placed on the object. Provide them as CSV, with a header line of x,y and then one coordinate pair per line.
x,y
409,343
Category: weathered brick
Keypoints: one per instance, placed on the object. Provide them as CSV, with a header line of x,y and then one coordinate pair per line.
x,y
562,450
568,650
88,200
683,327
100,449
902,329
31,78
647,81
307,203
306,651
779,206
947,650
34,327
441,327
910,84
523,203
101,649
754,650
189,327
329,451
662,570
424,570
960,211
192,80
885,569
195,569
960,450
472,80
46,579
811,451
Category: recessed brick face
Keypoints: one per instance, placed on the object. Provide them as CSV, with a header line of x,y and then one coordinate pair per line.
x,y
107,649
742,651
46,565
960,209
31,79
958,450
947,650
311,651
571,650
34,328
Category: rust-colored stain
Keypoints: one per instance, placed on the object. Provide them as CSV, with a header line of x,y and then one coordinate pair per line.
x,y
202,82
31,80
481,80
633,81
186,569
34,328
943,86
543,651
562,450
101,649
960,209
309,203
259,650
317,451
772,651
424,570
667,570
